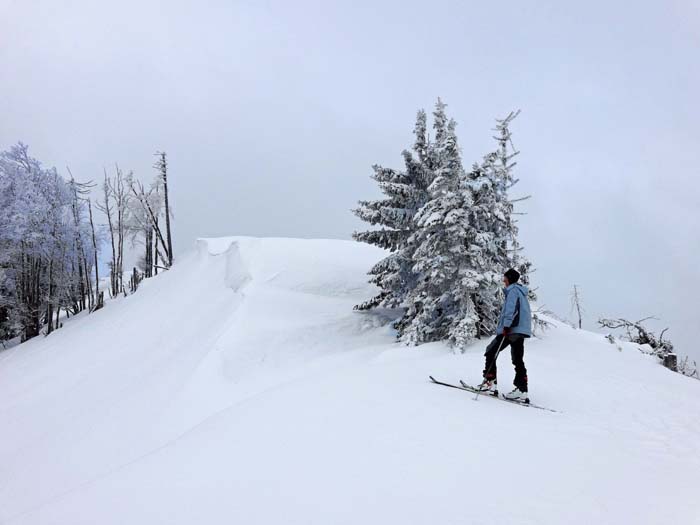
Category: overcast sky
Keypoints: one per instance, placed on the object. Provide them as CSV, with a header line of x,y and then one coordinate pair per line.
x,y
272,114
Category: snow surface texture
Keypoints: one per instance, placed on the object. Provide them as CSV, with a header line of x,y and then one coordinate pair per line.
x,y
240,387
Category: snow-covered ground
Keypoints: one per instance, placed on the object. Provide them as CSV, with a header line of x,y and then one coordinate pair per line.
x,y
240,387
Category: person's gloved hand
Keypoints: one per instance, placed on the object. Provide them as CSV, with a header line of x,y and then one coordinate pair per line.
x,y
506,331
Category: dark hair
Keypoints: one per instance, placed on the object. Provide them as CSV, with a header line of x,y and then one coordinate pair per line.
x,y
512,276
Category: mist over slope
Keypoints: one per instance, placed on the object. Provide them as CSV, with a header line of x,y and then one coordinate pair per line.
x,y
240,386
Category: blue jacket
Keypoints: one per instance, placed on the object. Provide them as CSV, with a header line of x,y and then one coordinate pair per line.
x,y
515,313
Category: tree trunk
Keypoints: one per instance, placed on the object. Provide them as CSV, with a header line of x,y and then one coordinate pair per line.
x,y
671,362
49,303
107,209
97,303
164,172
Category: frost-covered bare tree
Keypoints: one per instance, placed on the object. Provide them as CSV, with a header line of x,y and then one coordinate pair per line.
x,y
162,167
140,229
99,296
147,205
637,333
85,240
576,304
49,240
115,205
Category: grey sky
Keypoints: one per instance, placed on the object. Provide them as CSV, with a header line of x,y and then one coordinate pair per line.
x,y
273,112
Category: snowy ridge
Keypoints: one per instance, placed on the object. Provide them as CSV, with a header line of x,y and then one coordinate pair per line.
x,y
241,387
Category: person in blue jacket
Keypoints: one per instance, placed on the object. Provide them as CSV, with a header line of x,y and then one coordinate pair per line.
x,y
514,326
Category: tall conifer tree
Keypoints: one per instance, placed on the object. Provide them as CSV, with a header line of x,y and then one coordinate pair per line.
x,y
407,192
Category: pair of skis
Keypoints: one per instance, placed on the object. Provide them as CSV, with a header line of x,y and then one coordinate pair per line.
x,y
469,388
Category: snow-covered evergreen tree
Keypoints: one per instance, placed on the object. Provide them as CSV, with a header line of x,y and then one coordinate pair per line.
x,y
498,167
492,216
407,192
452,234
440,306
484,250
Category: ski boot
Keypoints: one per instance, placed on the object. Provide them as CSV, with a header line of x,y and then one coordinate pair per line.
x,y
488,386
517,395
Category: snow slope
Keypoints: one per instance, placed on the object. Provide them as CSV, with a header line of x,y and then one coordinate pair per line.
x,y
240,387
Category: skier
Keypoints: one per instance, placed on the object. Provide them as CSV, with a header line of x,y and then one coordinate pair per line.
x,y
514,325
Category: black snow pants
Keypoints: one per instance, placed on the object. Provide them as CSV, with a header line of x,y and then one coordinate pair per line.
x,y
517,350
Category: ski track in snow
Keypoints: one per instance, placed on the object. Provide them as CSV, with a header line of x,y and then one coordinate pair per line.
x,y
241,387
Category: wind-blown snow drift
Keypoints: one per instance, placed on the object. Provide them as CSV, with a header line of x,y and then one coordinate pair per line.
x,y
240,387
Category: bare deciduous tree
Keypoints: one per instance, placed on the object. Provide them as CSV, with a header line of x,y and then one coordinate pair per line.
x,y
115,206
576,304
99,296
148,206
162,167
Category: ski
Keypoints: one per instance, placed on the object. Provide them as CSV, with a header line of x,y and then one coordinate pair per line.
x,y
469,388
502,398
